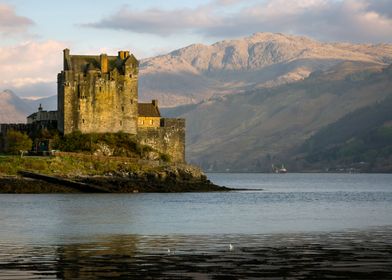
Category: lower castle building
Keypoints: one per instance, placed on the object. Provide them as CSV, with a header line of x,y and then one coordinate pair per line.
x,y
99,94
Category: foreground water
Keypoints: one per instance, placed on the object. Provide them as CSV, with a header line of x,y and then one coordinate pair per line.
x,y
303,226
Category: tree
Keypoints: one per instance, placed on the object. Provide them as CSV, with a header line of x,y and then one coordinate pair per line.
x,y
17,141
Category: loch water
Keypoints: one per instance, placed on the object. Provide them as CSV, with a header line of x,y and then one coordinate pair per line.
x,y
297,226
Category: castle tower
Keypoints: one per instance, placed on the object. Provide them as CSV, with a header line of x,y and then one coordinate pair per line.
x,y
98,93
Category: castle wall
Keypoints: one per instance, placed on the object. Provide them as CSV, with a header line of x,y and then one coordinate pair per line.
x,y
169,138
60,101
149,121
95,100
42,116
99,94
98,104
4,128
30,129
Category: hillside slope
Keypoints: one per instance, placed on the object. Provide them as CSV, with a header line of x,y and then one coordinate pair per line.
x,y
251,131
198,72
12,108
361,140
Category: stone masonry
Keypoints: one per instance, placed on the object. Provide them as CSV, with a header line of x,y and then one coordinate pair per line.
x,y
99,94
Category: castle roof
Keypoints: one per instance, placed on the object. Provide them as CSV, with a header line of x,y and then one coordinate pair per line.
x,y
88,62
148,110
82,63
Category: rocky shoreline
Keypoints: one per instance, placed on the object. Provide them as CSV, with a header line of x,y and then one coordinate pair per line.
x,y
182,178
18,184
135,185
80,173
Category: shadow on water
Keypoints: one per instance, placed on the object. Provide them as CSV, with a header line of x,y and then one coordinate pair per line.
x,y
339,255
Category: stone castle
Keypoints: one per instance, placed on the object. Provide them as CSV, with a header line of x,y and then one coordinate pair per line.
x,y
99,94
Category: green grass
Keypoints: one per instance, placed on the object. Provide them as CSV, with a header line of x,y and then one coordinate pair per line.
x,y
70,166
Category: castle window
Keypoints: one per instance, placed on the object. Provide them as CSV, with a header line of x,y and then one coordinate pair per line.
x,y
130,76
100,88
83,121
120,122
131,101
122,108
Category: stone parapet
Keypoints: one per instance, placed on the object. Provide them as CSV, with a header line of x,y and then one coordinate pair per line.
x,y
169,138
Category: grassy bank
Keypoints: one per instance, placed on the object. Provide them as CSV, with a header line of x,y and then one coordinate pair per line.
x,y
71,166
113,174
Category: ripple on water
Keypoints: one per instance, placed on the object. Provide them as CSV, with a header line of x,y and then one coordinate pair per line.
x,y
343,255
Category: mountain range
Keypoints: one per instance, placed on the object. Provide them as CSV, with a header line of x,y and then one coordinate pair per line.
x,y
251,131
198,72
14,109
257,101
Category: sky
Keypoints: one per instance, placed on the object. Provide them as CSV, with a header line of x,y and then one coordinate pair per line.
x,y
33,33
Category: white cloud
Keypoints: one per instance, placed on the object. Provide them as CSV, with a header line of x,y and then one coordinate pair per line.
x,y
157,21
351,20
30,65
227,2
11,23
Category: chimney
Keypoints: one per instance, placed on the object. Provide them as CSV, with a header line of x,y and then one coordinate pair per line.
x,y
104,63
155,103
123,54
66,59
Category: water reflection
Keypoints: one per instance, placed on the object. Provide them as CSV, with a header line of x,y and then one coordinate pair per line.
x,y
341,255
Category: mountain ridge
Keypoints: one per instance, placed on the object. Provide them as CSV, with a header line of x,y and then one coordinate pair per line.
x,y
359,141
15,109
197,72
245,132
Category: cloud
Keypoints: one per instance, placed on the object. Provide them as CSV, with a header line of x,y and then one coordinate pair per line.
x,y
382,7
348,20
157,21
11,23
30,68
227,2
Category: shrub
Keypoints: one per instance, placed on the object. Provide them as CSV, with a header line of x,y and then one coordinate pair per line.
x,y
120,143
165,157
17,141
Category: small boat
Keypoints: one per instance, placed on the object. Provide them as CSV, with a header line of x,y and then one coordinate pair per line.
x,y
279,170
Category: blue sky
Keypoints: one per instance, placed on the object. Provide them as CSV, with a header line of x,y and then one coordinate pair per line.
x,y
53,20
34,32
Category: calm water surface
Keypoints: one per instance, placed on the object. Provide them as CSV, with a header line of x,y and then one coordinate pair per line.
x,y
342,219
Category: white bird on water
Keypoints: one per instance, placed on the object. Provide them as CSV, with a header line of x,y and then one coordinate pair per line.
x,y
231,247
